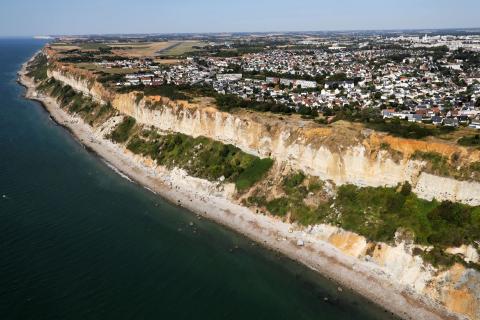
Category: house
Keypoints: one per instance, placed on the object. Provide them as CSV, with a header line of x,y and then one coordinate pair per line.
x,y
387,113
305,84
469,111
465,120
450,122
229,77
287,82
403,115
415,118
475,124
272,80
157,81
347,84
437,120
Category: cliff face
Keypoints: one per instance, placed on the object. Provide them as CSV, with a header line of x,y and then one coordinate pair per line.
x,y
329,153
335,154
457,289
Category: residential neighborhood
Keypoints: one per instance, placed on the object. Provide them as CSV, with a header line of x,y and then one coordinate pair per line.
x,y
424,79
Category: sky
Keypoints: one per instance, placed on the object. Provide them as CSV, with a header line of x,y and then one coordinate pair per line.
x,y
78,17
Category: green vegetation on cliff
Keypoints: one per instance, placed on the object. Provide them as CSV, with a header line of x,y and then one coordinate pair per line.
x,y
440,165
91,111
296,189
404,129
37,68
254,172
121,133
170,91
201,157
470,141
378,213
374,212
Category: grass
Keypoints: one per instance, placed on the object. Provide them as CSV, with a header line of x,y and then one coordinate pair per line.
x,y
98,68
436,163
93,46
37,69
166,90
296,188
181,48
470,141
440,165
293,180
202,157
253,173
403,129
279,206
121,133
91,111
375,212
139,50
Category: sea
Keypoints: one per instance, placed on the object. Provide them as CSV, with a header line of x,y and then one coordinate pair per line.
x,y
79,241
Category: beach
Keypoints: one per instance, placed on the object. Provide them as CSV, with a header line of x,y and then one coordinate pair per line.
x,y
212,201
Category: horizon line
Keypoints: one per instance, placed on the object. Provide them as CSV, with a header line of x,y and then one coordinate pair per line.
x,y
249,32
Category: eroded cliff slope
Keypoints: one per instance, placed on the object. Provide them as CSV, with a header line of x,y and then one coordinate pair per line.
x,y
343,154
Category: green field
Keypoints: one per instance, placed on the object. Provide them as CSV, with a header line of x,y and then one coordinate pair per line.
x,y
181,48
201,157
95,67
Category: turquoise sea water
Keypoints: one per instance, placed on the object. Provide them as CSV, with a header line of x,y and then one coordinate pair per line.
x,y
77,241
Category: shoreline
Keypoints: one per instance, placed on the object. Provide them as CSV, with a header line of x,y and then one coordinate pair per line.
x,y
199,197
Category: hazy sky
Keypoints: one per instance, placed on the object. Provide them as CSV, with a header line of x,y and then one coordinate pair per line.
x,y
38,17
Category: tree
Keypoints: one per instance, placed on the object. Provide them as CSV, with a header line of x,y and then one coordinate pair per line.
x,y
406,189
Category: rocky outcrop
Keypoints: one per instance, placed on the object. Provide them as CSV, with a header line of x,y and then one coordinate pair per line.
x,y
458,288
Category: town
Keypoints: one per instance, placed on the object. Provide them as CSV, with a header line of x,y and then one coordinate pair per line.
x,y
422,79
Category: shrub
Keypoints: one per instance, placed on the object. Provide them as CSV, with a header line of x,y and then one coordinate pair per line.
x,y
437,164
253,173
37,69
402,129
258,200
470,141
315,184
140,146
406,189
122,132
293,180
278,207
475,166
202,157
378,212
437,257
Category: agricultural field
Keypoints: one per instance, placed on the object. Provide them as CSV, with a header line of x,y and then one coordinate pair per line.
x,y
139,50
60,47
180,48
125,49
96,67
167,51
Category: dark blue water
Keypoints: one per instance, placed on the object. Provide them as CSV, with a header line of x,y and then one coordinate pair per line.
x,y
77,241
